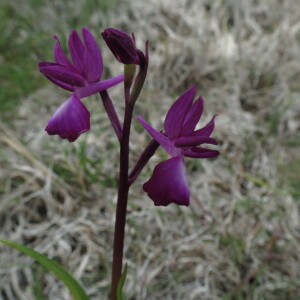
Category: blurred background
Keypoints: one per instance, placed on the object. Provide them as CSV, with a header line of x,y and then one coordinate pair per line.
x,y
240,237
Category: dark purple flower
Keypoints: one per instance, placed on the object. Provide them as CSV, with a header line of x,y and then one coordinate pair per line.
x,y
180,139
82,75
70,119
121,45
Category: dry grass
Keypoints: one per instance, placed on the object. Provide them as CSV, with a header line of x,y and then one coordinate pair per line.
x,y
240,237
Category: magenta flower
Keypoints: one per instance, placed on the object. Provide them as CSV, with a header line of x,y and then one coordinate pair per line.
x,y
121,45
82,77
169,183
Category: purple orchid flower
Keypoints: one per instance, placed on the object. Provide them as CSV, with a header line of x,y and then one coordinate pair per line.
x,y
82,77
169,183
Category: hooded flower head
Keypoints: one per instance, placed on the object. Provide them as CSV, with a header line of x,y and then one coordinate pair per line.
x,y
121,45
180,140
81,75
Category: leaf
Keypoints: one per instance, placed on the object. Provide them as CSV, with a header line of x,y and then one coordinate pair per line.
x,y
74,287
37,271
121,284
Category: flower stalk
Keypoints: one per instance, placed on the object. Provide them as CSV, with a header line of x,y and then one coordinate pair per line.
x,y
124,183
141,76
121,203
111,113
143,160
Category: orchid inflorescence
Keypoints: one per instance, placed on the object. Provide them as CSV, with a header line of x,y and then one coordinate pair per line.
x,y
81,76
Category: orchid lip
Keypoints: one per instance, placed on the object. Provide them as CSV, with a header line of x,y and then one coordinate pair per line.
x,y
168,183
70,120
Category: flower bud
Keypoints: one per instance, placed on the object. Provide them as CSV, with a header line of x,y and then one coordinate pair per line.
x,y
121,45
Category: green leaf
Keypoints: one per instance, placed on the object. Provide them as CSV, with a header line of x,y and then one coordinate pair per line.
x,y
74,287
37,272
121,284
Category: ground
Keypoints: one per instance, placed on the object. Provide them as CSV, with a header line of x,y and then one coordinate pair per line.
x,y
239,239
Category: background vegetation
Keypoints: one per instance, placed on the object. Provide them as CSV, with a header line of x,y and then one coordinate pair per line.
x,y
240,238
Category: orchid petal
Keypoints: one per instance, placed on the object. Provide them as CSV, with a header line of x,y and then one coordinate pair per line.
x,y
60,56
70,120
164,141
93,88
168,183
176,114
65,86
194,141
198,152
77,51
61,73
193,116
207,129
93,63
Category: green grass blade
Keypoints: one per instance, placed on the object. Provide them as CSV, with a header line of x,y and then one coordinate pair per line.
x,y
37,271
74,287
121,284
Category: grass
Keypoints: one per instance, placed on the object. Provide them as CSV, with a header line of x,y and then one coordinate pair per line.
x,y
239,237
27,29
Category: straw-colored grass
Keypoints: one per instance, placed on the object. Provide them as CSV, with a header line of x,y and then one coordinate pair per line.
x,y
240,237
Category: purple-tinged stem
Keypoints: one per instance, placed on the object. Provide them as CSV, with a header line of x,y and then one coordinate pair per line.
x,y
142,161
112,114
124,185
141,76
121,204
